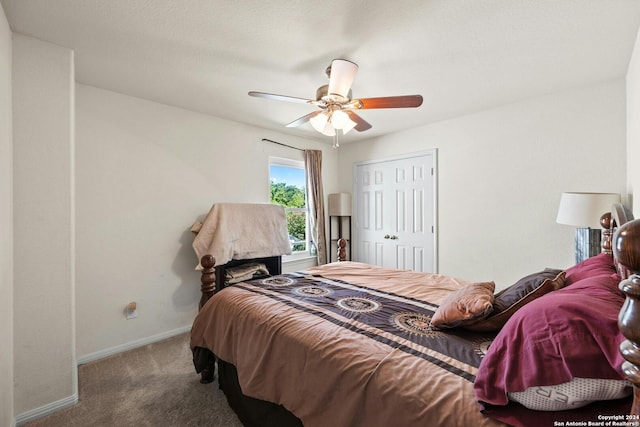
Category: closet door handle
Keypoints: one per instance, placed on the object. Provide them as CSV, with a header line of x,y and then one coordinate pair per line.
x,y
386,236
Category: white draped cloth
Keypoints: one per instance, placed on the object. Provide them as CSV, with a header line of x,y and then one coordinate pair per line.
x,y
242,231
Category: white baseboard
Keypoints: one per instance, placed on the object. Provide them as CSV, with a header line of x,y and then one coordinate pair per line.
x,y
52,407
45,410
131,345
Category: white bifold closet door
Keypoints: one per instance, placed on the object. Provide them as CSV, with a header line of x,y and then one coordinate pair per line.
x,y
395,220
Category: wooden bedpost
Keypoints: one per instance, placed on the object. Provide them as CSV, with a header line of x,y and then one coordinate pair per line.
x,y
208,285
627,251
208,278
342,252
607,233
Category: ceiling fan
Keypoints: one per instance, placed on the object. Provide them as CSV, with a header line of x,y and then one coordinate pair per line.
x,y
336,106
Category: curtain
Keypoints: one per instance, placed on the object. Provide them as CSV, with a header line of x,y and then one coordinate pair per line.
x,y
315,202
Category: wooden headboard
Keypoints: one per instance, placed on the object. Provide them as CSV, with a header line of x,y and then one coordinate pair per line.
x,y
625,246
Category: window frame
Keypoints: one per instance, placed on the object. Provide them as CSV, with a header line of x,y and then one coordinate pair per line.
x,y
294,164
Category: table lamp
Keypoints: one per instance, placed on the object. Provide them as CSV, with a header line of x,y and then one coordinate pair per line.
x,y
583,210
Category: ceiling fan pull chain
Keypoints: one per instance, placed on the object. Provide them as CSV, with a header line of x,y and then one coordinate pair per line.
x,y
336,143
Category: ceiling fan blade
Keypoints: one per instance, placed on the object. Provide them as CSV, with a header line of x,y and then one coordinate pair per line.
x,y
405,101
302,120
361,124
341,77
281,97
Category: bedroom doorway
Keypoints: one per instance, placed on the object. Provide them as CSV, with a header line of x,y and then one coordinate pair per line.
x,y
395,212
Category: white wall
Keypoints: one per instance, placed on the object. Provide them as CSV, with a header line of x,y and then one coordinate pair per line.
x,y
6,226
145,173
43,87
633,127
501,173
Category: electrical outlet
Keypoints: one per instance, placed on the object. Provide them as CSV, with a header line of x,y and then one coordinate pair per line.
x,y
131,311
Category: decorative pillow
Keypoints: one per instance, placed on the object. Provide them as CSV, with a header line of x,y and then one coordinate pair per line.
x,y
511,299
565,334
599,265
467,304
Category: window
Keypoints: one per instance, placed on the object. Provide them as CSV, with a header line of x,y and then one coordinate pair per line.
x,y
287,188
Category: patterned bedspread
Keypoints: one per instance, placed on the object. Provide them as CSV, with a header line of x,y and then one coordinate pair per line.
x,y
347,344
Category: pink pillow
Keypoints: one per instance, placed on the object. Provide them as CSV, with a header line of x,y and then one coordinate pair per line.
x,y
467,304
599,265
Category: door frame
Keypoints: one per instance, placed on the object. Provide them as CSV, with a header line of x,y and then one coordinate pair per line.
x,y
356,198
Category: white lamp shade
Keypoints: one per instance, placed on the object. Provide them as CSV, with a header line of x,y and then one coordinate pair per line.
x,y
328,130
342,74
340,204
339,119
318,121
321,124
350,125
585,209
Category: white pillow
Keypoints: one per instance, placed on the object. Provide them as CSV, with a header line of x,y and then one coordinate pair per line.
x,y
576,393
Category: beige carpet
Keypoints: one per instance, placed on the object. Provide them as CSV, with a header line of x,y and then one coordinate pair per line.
x,y
155,385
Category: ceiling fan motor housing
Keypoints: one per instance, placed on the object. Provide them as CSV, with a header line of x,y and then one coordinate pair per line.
x,y
322,94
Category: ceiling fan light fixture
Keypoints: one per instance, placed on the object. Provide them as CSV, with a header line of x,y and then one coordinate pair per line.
x,y
341,77
335,105
348,126
320,122
339,119
328,130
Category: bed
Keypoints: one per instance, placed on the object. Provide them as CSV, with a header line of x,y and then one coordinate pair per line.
x,y
348,344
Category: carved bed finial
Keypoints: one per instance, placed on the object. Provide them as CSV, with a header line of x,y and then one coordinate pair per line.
x,y
342,252
627,252
606,223
208,278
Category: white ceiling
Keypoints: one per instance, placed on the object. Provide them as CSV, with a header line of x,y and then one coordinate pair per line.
x,y
460,55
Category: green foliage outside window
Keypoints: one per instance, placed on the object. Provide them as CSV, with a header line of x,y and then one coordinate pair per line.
x,y
288,196
291,196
